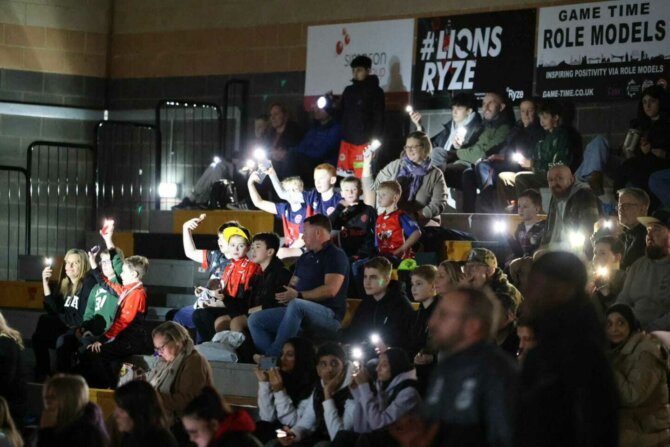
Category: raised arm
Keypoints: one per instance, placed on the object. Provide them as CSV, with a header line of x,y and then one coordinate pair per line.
x,y
264,205
187,238
276,184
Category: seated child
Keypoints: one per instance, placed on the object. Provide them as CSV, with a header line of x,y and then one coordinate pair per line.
x,y
423,291
126,336
292,214
233,298
213,261
355,221
384,310
527,237
323,198
607,277
273,277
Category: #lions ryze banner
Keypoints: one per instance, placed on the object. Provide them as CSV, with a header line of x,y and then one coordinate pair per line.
x,y
475,53
603,50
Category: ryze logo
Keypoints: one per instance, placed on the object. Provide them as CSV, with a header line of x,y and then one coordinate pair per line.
x,y
514,94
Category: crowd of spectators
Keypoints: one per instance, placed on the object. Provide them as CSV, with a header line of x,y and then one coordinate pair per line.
x,y
560,337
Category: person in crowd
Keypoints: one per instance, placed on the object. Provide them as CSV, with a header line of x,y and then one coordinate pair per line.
x,y
362,107
331,408
284,391
462,130
607,276
101,361
316,300
497,124
396,396
13,387
424,192
640,364
273,277
651,154
100,309
482,270
355,221
423,280
573,208
65,307
236,281
520,143
553,148
447,278
384,309
139,417
659,185
212,261
322,199
568,395
648,279
506,337
632,203
526,335
285,134
68,418
211,422
472,393
527,236
201,194
180,371
262,129
10,436
320,144
292,213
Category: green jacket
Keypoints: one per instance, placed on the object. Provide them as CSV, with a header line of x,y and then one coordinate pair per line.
x,y
553,148
103,304
494,134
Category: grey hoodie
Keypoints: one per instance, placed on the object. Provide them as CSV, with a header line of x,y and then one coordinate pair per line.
x,y
647,292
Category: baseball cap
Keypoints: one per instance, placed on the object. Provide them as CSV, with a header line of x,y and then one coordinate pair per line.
x,y
661,217
233,231
483,256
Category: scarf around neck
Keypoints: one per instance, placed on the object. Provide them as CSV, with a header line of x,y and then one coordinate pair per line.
x,y
414,173
163,375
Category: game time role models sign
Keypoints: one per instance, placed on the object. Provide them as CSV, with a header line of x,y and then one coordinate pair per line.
x,y
476,53
603,50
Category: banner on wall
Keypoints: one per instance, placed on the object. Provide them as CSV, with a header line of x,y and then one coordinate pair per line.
x,y
476,53
603,50
331,48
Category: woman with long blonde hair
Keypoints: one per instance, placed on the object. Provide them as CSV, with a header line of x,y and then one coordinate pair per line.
x,y
8,430
12,384
68,418
65,306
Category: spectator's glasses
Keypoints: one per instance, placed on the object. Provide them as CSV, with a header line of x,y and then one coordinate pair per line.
x,y
161,349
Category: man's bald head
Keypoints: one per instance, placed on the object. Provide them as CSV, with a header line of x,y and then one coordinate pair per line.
x,y
560,179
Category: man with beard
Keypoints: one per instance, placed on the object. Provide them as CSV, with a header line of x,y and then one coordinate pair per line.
x,y
633,203
647,286
568,396
573,207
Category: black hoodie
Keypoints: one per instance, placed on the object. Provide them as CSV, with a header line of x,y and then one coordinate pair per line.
x,y
363,107
390,317
88,430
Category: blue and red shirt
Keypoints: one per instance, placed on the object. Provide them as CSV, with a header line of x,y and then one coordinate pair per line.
x,y
392,230
316,204
292,221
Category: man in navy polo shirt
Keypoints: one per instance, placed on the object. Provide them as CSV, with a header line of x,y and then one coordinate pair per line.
x,y
315,300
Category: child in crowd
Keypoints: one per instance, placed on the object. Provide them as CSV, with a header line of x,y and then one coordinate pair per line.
x,y
384,310
331,407
292,214
362,116
212,261
273,276
232,300
527,236
355,221
607,277
423,291
322,199
126,336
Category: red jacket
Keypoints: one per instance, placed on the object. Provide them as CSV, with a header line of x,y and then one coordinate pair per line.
x,y
132,301
236,277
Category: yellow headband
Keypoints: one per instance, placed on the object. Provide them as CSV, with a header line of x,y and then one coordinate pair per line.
x,y
233,231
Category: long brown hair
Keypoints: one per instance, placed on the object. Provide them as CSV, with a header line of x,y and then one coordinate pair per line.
x,y
72,393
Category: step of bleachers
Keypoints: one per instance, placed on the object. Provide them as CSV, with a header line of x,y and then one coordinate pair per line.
x,y
173,273
179,300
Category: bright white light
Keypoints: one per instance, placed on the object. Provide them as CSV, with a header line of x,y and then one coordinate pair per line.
x,y
460,133
602,272
48,262
216,160
499,226
375,144
356,353
250,164
577,239
375,339
167,190
202,217
607,224
280,433
517,157
409,109
322,102
260,154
